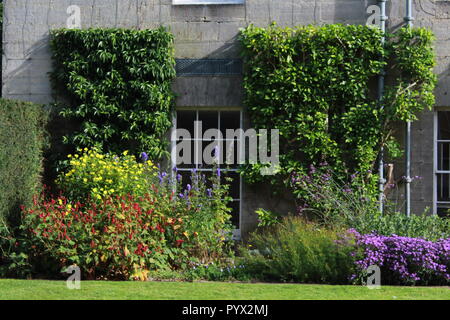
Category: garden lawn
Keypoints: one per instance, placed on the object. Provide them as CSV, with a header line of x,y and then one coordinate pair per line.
x,y
96,290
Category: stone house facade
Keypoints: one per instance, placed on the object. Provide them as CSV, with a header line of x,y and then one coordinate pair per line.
x,y
209,82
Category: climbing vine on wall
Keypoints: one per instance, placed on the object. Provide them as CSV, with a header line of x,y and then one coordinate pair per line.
x,y
412,61
317,85
116,87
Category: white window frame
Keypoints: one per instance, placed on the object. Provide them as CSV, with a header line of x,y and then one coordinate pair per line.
x,y
236,232
436,170
206,2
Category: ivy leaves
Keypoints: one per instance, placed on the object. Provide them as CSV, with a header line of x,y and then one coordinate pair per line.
x,y
317,85
118,84
413,61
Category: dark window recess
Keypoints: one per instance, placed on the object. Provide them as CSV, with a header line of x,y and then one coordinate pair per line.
x,y
194,67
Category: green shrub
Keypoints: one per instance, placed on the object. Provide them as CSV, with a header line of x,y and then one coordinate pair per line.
x,y
117,84
22,139
325,198
431,228
297,251
322,195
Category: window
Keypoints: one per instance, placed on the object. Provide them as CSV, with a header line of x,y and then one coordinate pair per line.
x,y
197,2
221,121
442,162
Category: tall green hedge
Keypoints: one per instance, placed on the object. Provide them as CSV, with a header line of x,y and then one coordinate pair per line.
x,y
22,140
117,86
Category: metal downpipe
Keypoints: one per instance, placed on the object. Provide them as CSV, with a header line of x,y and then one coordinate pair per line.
x,y
382,180
409,20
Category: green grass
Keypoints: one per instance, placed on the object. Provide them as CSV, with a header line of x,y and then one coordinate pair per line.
x,y
93,290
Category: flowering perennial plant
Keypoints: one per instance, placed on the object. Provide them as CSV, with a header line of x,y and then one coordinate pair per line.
x,y
403,260
96,175
128,236
322,195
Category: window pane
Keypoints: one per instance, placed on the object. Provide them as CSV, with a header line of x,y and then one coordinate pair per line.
x,y
185,120
443,155
209,119
235,213
185,154
443,211
443,187
444,125
230,154
235,185
209,157
186,179
230,120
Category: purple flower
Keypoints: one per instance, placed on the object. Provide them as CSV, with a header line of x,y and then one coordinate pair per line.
x,y
209,193
404,260
161,177
144,156
218,172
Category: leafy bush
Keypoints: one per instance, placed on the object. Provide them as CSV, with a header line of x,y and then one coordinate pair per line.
x,y
127,236
298,251
325,198
266,218
14,260
314,84
91,173
118,86
22,139
431,228
122,238
404,260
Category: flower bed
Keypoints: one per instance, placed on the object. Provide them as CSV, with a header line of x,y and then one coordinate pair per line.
x,y
403,260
